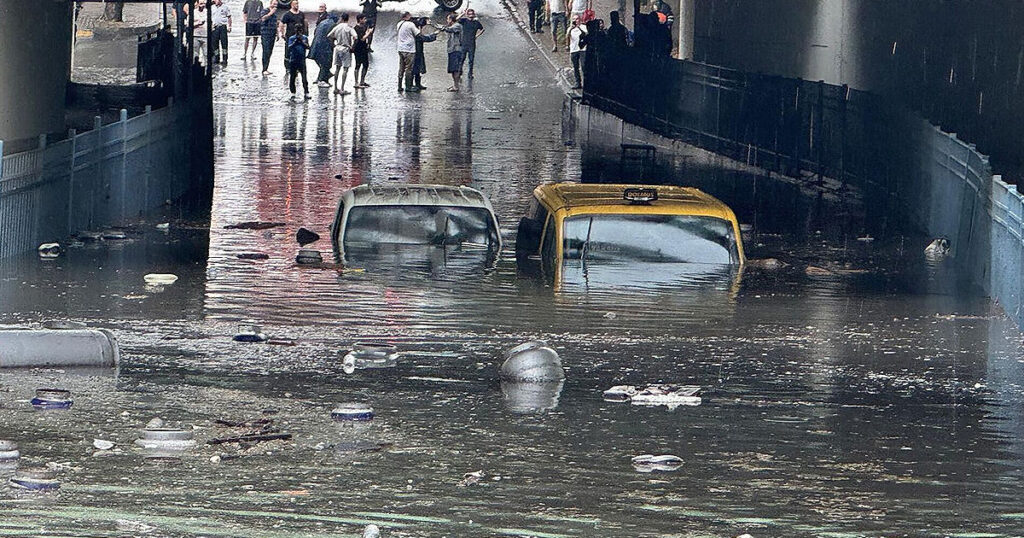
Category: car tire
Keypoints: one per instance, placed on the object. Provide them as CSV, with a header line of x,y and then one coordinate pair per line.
x,y
450,5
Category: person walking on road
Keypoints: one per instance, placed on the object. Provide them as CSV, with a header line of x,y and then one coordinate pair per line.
x,y
361,51
576,43
556,14
252,10
454,31
471,29
268,34
321,51
221,18
536,8
344,38
296,49
407,32
199,30
419,62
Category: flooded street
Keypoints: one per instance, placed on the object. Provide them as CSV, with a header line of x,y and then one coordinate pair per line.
x,y
862,397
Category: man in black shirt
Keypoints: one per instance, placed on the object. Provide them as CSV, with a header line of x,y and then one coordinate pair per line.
x,y
370,12
618,35
291,22
471,29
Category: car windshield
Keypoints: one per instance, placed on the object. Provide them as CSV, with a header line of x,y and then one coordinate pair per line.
x,y
420,225
650,238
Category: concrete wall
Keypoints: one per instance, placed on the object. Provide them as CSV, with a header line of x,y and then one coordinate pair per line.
x,y
35,66
959,63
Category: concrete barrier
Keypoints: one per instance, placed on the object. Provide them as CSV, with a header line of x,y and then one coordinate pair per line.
x,y
58,348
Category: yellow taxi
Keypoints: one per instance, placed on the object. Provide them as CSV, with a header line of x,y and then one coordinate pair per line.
x,y
659,229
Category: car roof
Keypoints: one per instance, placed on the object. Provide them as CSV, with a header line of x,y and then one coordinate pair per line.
x,y
409,194
607,198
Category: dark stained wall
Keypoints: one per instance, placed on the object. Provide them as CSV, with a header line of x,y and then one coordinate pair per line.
x,y
958,62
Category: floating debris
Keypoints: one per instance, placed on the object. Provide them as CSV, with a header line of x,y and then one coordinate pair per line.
x,y
866,239
470,479
620,393
160,279
166,439
114,235
89,237
253,225
308,256
251,438
281,342
817,271
669,395
250,334
305,237
610,315
370,355
52,399
103,444
371,531
352,412
648,463
163,226
253,256
49,251
937,249
35,479
64,325
9,453
532,361
155,423
768,264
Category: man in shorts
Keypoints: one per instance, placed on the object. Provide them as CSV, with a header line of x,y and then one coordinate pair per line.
x,y
252,11
344,38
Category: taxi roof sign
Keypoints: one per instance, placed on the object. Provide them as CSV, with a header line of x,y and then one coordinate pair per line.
x,y
638,195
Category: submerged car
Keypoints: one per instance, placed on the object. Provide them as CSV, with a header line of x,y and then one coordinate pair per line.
x,y
608,231
372,219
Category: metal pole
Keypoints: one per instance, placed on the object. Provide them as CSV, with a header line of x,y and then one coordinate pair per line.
x,y
209,35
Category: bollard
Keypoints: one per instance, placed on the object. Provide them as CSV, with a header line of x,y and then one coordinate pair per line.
x,y
58,348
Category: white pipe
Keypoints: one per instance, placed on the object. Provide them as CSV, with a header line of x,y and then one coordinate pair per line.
x,y
58,348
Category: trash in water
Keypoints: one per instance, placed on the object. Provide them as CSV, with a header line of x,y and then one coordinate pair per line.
x,y
253,256
253,225
251,333
816,271
470,479
532,361
251,438
938,248
160,279
48,251
281,342
352,412
669,395
35,479
620,393
370,355
169,439
308,256
305,237
647,463
768,264
114,235
102,444
611,315
155,423
371,531
163,226
64,325
866,239
52,399
8,453
89,237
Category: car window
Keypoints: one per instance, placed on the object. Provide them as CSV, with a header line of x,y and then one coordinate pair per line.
x,y
548,247
420,225
650,238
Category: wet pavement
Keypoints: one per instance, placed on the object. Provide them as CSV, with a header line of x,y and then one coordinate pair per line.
x,y
863,396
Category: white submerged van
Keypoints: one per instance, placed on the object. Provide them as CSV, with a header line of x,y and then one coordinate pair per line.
x,y
370,217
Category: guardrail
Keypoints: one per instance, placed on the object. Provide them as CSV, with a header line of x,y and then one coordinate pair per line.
x,y
104,176
929,179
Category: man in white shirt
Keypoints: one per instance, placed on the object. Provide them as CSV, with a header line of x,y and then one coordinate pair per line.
x,y
407,32
221,18
344,38
576,48
556,14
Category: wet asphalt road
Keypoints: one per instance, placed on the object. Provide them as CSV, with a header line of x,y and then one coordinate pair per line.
x,y
866,400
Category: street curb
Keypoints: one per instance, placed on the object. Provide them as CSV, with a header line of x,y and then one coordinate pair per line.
x,y
563,82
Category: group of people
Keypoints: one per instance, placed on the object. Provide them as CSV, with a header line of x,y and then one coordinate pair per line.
x,y
336,43
461,47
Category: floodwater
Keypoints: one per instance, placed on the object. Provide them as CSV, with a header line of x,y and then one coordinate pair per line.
x,y
865,398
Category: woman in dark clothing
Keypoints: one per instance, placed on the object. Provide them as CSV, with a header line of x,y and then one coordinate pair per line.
x,y
268,34
419,62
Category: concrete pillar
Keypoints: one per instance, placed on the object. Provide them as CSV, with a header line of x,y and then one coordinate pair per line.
x,y
35,66
685,22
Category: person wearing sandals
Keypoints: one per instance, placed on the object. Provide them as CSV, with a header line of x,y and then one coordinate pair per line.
x,y
454,31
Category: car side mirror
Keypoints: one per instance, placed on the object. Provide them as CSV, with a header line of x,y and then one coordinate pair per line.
x,y
528,237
